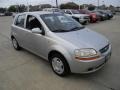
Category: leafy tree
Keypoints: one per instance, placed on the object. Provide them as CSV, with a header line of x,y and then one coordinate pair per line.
x,y
12,8
91,7
46,6
17,8
69,5
2,10
21,8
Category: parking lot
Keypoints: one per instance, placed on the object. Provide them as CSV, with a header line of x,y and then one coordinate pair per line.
x,y
21,70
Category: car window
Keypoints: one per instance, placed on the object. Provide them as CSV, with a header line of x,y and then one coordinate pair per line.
x,y
75,11
68,12
20,20
32,22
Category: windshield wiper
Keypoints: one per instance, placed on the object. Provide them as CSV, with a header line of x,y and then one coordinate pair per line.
x,y
60,30
77,28
73,29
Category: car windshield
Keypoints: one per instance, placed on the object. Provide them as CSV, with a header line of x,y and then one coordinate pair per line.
x,y
88,11
75,11
60,23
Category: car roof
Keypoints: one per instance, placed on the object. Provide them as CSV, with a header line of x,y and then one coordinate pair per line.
x,y
38,13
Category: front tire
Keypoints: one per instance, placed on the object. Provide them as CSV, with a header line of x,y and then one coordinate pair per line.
x,y
15,44
59,65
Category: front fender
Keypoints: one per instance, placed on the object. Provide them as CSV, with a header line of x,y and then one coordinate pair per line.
x,y
66,53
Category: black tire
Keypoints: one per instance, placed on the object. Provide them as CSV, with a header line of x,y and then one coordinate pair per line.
x,y
102,19
84,23
108,18
16,47
65,65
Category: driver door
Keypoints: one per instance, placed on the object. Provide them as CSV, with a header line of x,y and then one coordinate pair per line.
x,y
35,42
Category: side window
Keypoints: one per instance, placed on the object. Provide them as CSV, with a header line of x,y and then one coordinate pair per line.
x,y
32,22
20,20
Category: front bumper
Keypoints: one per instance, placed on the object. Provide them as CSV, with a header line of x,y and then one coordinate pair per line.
x,y
93,20
84,20
79,66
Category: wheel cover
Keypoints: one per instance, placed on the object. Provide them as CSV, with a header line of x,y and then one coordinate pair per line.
x,y
57,65
14,43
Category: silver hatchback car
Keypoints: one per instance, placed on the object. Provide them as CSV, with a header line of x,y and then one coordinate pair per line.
x,y
67,45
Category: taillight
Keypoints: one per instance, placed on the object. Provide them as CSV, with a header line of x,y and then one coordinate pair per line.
x,y
94,16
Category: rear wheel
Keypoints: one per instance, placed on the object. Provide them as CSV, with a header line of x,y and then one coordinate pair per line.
x,y
15,44
59,65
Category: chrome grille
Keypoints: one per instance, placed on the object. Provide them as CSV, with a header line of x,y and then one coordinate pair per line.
x,y
87,17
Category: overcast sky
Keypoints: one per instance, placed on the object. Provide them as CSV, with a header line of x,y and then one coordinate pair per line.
x,y
6,3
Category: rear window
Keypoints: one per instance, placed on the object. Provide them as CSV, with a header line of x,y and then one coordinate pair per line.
x,y
20,20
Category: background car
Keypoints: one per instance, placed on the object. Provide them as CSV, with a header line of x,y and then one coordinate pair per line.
x,y
2,14
102,16
82,18
52,10
93,16
8,14
108,13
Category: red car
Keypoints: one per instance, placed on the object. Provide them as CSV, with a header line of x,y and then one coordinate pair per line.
x,y
93,16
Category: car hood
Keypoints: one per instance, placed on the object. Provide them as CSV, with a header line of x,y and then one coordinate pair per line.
x,y
80,15
92,13
84,38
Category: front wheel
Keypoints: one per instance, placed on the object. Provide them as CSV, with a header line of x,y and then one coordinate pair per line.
x,y
15,44
59,65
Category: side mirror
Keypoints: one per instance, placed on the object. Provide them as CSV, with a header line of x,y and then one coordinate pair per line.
x,y
37,30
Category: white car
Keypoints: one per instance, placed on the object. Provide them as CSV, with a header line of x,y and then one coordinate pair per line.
x,y
52,9
2,14
82,18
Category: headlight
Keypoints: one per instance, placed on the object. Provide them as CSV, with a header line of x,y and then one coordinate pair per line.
x,y
103,15
86,54
94,16
81,17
